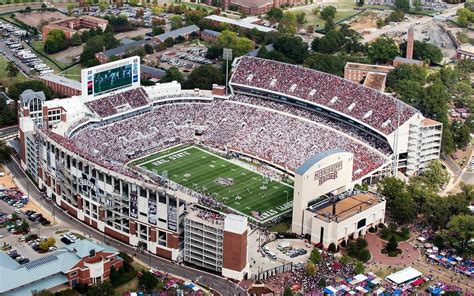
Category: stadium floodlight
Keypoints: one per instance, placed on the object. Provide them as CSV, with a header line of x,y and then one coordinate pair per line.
x,y
227,55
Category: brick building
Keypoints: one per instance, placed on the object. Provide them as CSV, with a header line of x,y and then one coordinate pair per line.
x,y
254,7
72,25
83,262
62,85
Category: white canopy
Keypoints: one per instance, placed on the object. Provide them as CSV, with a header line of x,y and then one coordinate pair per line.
x,y
404,275
360,277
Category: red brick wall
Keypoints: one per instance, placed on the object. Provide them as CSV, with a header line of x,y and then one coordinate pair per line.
x,y
172,241
117,235
163,253
235,250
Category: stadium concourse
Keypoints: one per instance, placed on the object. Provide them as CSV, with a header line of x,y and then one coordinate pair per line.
x,y
135,162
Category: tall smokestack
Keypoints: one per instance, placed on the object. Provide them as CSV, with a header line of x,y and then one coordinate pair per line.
x,y
410,42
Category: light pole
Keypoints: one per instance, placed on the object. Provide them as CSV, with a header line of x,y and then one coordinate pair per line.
x,y
227,55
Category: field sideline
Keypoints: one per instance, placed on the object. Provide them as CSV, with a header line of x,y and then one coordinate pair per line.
x,y
237,187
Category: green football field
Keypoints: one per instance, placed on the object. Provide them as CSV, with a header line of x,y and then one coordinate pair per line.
x,y
237,187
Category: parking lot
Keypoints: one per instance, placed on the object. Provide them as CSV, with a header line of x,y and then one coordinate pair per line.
x,y
184,57
12,46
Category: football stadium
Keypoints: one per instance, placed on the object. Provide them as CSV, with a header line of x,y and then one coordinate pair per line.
x,y
145,165
242,189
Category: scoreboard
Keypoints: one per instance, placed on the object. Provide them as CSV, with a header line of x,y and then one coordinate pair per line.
x,y
112,76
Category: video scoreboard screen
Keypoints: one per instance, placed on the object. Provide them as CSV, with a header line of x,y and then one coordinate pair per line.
x,y
111,76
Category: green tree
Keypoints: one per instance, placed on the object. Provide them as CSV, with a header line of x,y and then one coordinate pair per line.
x,y
403,5
169,42
328,12
359,267
157,30
76,39
229,39
5,151
172,74
55,41
424,51
460,232
12,70
435,103
360,3
383,50
402,209
148,281
288,23
301,18
329,43
103,6
148,48
395,16
461,134
392,245
103,289
16,89
292,47
288,291
203,77
435,174
176,22
310,269
275,14
315,256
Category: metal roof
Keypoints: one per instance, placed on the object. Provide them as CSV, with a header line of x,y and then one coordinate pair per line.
x,y
61,81
152,71
122,49
178,32
301,170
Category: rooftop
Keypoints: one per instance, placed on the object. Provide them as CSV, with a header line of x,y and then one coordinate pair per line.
x,y
178,32
46,272
408,61
252,3
345,205
467,48
62,80
248,22
375,80
371,68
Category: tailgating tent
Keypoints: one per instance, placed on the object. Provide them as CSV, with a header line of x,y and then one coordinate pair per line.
x,y
284,244
435,291
421,239
375,281
360,277
330,290
404,275
418,282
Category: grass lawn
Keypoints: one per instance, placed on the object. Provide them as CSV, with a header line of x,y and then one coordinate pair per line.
x,y
38,45
4,79
73,73
131,286
316,20
227,182
283,226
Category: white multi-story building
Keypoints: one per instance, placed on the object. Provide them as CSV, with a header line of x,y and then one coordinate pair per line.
x,y
216,242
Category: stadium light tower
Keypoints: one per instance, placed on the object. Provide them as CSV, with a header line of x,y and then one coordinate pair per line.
x,y
227,55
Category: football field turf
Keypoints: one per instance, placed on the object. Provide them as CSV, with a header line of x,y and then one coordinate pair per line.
x,y
235,186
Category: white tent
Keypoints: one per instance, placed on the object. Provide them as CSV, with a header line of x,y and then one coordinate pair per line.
x,y
360,277
404,275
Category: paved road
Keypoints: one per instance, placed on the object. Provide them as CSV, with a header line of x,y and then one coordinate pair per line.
x,y
219,284
8,131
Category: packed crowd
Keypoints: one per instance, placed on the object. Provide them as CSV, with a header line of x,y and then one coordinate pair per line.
x,y
329,273
110,105
380,145
213,217
365,104
280,139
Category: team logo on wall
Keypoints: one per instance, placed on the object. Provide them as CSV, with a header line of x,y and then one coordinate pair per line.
x,y
327,173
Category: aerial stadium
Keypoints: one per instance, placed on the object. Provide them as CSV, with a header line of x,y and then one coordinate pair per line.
x,y
134,161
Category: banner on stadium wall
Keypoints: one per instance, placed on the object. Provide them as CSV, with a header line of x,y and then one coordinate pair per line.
x,y
134,202
152,211
172,217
